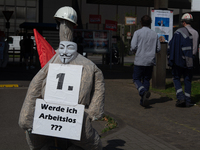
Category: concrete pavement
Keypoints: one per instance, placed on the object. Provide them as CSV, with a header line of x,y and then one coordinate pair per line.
x,y
171,127
161,126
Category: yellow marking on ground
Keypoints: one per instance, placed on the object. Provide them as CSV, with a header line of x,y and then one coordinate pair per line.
x,y
9,85
184,125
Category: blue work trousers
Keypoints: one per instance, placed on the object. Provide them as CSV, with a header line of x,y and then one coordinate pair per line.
x,y
141,78
187,74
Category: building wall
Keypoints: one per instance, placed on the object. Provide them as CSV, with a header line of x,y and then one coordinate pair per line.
x,y
86,10
23,11
51,6
107,12
27,10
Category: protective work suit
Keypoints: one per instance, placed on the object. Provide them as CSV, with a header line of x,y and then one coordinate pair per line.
x,y
91,94
181,53
180,49
180,58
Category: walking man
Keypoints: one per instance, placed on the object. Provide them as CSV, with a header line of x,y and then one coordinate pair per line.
x,y
181,52
146,44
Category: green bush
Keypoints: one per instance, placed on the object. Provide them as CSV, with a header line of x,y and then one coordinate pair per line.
x,y
111,123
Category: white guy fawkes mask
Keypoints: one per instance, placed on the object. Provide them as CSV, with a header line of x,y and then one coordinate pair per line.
x,y
67,51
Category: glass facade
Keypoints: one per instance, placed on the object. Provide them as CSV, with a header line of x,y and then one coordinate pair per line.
x,y
23,11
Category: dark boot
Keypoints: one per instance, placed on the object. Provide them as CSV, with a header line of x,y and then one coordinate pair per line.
x,y
180,103
146,96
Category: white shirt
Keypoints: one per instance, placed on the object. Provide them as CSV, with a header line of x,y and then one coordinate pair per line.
x,y
146,44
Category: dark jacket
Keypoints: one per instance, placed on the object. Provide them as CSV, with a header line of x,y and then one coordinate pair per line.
x,y
180,49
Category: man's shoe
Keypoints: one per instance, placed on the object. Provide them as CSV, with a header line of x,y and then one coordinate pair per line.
x,y
141,102
146,96
180,103
188,104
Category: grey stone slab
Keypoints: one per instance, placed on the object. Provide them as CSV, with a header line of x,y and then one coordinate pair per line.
x,y
161,141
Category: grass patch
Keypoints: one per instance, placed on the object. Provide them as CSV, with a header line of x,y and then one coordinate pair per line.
x,y
170,91
111,123
128,64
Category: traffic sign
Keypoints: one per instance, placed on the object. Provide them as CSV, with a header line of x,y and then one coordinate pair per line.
x,y
7,14
128,35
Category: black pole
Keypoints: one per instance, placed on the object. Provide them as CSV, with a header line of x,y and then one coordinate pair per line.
x,y
40,11
76,8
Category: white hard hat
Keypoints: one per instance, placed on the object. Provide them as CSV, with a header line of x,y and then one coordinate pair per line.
x,y
67,13
187,17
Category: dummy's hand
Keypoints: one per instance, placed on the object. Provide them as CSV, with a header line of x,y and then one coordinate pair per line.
x,y
29,131
94,118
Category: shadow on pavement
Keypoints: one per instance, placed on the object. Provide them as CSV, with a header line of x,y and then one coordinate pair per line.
x,y
113,144
160,100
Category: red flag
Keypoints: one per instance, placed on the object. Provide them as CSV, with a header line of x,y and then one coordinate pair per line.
x,y
45,50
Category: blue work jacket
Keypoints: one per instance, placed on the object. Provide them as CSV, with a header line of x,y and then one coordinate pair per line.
x,y
180,49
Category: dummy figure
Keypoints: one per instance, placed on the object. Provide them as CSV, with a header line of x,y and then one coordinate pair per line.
x,y
91,89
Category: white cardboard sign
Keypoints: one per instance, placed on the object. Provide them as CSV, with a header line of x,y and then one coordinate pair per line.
x,y
195,5
56,120
63,84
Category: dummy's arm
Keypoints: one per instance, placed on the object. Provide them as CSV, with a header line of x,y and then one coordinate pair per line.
x,y
96,107
35,91
28,108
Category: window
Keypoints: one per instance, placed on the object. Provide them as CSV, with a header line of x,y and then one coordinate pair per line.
x,y
31,3
21,2
31,14
20,13
10,2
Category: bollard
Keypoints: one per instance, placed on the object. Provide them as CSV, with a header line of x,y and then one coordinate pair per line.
x,y
159,71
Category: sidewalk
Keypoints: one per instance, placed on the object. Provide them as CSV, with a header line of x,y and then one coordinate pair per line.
x,y
129,138
160,127
126,137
